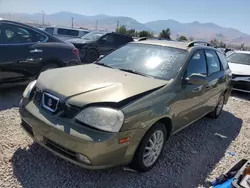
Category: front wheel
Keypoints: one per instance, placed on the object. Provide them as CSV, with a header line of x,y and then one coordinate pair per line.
x,y
150,148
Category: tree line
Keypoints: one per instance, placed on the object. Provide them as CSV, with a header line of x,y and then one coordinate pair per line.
x,y
166,34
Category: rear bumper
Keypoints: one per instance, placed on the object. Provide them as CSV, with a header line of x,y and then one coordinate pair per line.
x,y
66,139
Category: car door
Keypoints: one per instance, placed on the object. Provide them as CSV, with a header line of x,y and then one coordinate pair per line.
x,y
106,44
190,99
19,57
216,79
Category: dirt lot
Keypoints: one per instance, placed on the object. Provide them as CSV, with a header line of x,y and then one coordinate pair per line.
x,y
191,157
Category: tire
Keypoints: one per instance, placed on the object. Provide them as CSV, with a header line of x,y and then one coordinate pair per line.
x,y
218,109
91,56
47,67
141,161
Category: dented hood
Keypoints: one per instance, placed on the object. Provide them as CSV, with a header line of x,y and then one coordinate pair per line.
x,y
84,84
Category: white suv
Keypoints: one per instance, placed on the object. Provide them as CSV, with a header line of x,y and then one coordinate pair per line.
x,y
66,33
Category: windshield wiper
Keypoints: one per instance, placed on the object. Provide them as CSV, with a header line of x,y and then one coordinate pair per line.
x,y
135,72
102,64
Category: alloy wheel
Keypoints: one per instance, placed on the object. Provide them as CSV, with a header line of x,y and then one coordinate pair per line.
x,y
153,148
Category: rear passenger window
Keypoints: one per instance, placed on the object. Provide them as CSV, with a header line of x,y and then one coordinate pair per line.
x,y
197,64
213,62
50,30
120,40
223,61
15,34
69,32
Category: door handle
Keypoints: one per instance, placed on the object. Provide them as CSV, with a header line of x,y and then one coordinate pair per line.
x,y
36,51
26,61
21,61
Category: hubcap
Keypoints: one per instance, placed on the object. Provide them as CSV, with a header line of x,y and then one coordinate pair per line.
x,y
153,148
220,106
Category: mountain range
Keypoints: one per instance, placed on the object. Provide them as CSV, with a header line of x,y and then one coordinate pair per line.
x,y
197,30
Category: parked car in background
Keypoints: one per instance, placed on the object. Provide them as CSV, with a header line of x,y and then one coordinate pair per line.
x,y
239,63
64,33
97,43
122,108
147,38
26,51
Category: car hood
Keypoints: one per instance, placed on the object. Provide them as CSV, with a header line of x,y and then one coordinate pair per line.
x,y
79,41
85,84
239,69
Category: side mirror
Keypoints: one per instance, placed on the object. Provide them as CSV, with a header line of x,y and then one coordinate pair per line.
x,y
197,79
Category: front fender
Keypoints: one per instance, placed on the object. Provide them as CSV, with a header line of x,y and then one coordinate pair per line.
x,y
147,111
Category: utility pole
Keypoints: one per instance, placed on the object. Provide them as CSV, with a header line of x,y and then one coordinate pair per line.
x,y
117,25
96,25
42,18
72,22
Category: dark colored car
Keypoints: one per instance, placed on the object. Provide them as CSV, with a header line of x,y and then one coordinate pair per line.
x,y
122,108
26,51
97,43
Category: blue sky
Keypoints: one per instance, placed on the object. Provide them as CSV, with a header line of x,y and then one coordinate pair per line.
x,y
229,13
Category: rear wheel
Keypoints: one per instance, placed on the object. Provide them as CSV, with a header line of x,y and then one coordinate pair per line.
x,y
91,56
218,109
150,148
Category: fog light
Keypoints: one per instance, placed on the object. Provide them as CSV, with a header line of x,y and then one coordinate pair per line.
x,y
82,158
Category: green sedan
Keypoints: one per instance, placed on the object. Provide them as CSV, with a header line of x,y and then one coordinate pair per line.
x,y
123,108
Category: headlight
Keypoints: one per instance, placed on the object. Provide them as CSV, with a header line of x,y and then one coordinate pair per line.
x,y
27,91
103,118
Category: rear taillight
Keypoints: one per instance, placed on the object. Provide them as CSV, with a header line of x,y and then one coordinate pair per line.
x,y
75,51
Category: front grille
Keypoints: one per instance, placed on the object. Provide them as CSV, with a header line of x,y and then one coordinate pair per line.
x,y
27,128
241,85
61,150
239,76
69,111
37,97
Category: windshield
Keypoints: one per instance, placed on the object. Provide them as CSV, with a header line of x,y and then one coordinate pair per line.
x,y
152,60
239,58
94,35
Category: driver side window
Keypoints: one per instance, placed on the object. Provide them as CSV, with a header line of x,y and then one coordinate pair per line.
x,y
197,64
107,39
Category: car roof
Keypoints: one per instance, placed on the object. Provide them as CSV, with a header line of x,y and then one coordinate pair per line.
x,y
241,51
175,44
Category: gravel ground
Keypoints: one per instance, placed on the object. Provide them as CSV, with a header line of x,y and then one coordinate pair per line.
x,y
191,157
